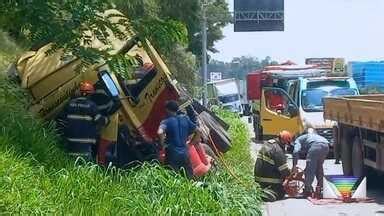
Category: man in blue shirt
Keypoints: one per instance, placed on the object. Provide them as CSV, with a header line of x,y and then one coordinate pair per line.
x,y
174,131
316,149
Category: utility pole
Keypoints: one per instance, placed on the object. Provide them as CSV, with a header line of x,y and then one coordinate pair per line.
x,y
204,53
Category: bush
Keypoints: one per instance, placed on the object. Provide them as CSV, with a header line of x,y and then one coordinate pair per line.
x,y
8,51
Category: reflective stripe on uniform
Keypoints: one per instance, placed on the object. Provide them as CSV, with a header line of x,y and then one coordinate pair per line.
x,y
97,117
80,117
101,91
283,167
266,159
268,180
82,140
85,106
105,106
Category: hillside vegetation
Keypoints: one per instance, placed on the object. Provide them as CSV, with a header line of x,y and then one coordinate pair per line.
x,y
37,177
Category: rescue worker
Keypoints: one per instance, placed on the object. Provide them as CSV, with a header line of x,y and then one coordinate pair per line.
x,y
82,123
276,101
315,148
271,168
108,107
174,131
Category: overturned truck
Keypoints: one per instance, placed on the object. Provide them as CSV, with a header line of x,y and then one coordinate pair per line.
x,y
53,79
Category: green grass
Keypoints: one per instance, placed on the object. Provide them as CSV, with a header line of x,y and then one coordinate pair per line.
x,y
8,51
37,177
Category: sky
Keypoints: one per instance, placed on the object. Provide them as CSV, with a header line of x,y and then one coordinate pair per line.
x,y
353,29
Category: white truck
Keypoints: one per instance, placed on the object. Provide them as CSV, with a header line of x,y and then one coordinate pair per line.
x,y
309,93
225,93
243,98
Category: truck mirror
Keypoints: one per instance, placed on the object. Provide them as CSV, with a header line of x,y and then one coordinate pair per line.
x,y
293,111
109,83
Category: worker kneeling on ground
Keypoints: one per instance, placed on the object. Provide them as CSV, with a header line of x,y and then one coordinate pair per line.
x,y
174,131
316,149
271,168
82,123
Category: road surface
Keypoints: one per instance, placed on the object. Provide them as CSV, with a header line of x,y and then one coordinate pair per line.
x,y
302,207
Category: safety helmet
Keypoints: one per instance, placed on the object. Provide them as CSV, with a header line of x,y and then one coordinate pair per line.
x,y
285,137
87,87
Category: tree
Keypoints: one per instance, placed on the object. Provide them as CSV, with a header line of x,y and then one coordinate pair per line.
x,y
68,24
168,24
187,12
148,20
218,16
239,67
183,65
72,24
190,12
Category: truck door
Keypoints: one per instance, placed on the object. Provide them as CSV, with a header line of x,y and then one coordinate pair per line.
x,y
278,112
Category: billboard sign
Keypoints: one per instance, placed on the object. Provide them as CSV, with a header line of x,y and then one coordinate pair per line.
x,y
259,15
339,65
332,65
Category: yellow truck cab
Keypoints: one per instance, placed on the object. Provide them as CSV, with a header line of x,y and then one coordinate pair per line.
x,y
277,114
274,104
292,98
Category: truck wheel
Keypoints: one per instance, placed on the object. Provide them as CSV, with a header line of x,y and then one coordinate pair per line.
x,y
357,155
256,127
336,147
346,150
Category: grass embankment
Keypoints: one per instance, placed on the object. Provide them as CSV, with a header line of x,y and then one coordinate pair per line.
x,y
36,177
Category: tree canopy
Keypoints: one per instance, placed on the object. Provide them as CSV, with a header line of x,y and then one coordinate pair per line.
x,y
239,67
66,24
188,12
174,27
69,23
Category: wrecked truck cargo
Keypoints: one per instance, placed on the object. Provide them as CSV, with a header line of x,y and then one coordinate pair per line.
x,y
53,79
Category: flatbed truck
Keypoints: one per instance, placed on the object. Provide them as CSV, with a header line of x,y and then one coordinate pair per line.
x,y
360,132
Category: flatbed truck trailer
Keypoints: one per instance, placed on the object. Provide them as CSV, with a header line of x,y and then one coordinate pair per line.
x,y
359,133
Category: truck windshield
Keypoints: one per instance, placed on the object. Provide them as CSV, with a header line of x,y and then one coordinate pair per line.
x,y
312,99
229,98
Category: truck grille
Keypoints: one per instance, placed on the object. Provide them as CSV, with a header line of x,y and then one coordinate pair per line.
x,y
326,133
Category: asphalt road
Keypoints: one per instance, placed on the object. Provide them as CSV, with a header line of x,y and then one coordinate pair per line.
x,y
303,207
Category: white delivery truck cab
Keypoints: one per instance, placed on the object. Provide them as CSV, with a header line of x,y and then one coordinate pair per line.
x,y
226,93
309,94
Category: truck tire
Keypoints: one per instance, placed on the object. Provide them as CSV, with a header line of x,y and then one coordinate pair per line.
x,y
256,127
335,147
357,155
346,149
